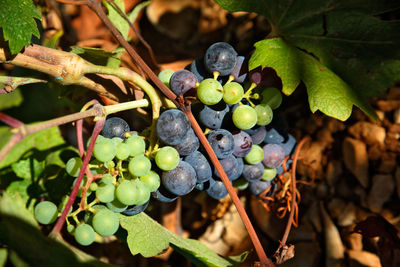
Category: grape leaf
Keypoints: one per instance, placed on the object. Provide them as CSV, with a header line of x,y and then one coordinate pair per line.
x,y
326,91
29,168
41,140
17,19
3,257
10,100
148,238
351,38
99,56
119,21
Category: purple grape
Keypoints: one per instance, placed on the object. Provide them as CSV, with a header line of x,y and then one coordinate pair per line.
x,y
229,164
216,189
212,117
182,81
200,165
257,135
172,126
289,145
273,155
181,180
273,137
220,57
163,195
240,70
243,143
115,127
189,144
222,142
253,172
257,187
135,209
238,171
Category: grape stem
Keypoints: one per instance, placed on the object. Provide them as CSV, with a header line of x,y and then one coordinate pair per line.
x,y
11,83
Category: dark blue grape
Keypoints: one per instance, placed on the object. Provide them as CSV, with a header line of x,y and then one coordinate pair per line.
x,y
189,144
243,143
273,155
198,69
163,195
257,135
257,187
217,189
239,72
135,209
229,164
182,81
238,171
253,172
115,127
273,137
289,145
181,180
220,57
172,126
201,166
222,142
212,116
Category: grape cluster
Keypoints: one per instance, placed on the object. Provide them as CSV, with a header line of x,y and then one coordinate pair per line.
x,y
236,112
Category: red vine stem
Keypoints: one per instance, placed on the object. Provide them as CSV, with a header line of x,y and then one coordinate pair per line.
x,y
293,189
254,238
10,121
61,220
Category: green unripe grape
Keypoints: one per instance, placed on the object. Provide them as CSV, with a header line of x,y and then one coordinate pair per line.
x,y
70,228
63,204
116,206
105,151
255,155
139,165
107,179
233,93
143,193
127,192
105,192
73,166
99,139
151,180
210,91
89,214
93,187
240,183
136,145
117,140
269,174
167,158
123,151
272,97
46,212
84,234
165,76
264,114
105,222
244,117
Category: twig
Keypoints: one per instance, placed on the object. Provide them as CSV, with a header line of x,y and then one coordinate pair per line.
x,y
11,83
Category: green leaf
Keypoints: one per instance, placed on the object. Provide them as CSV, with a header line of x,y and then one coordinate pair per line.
x,y
99,56
42,140
10,100
326,91
3,257
19,232
29,168
148,238
135,12
119,21
17,18
349,38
